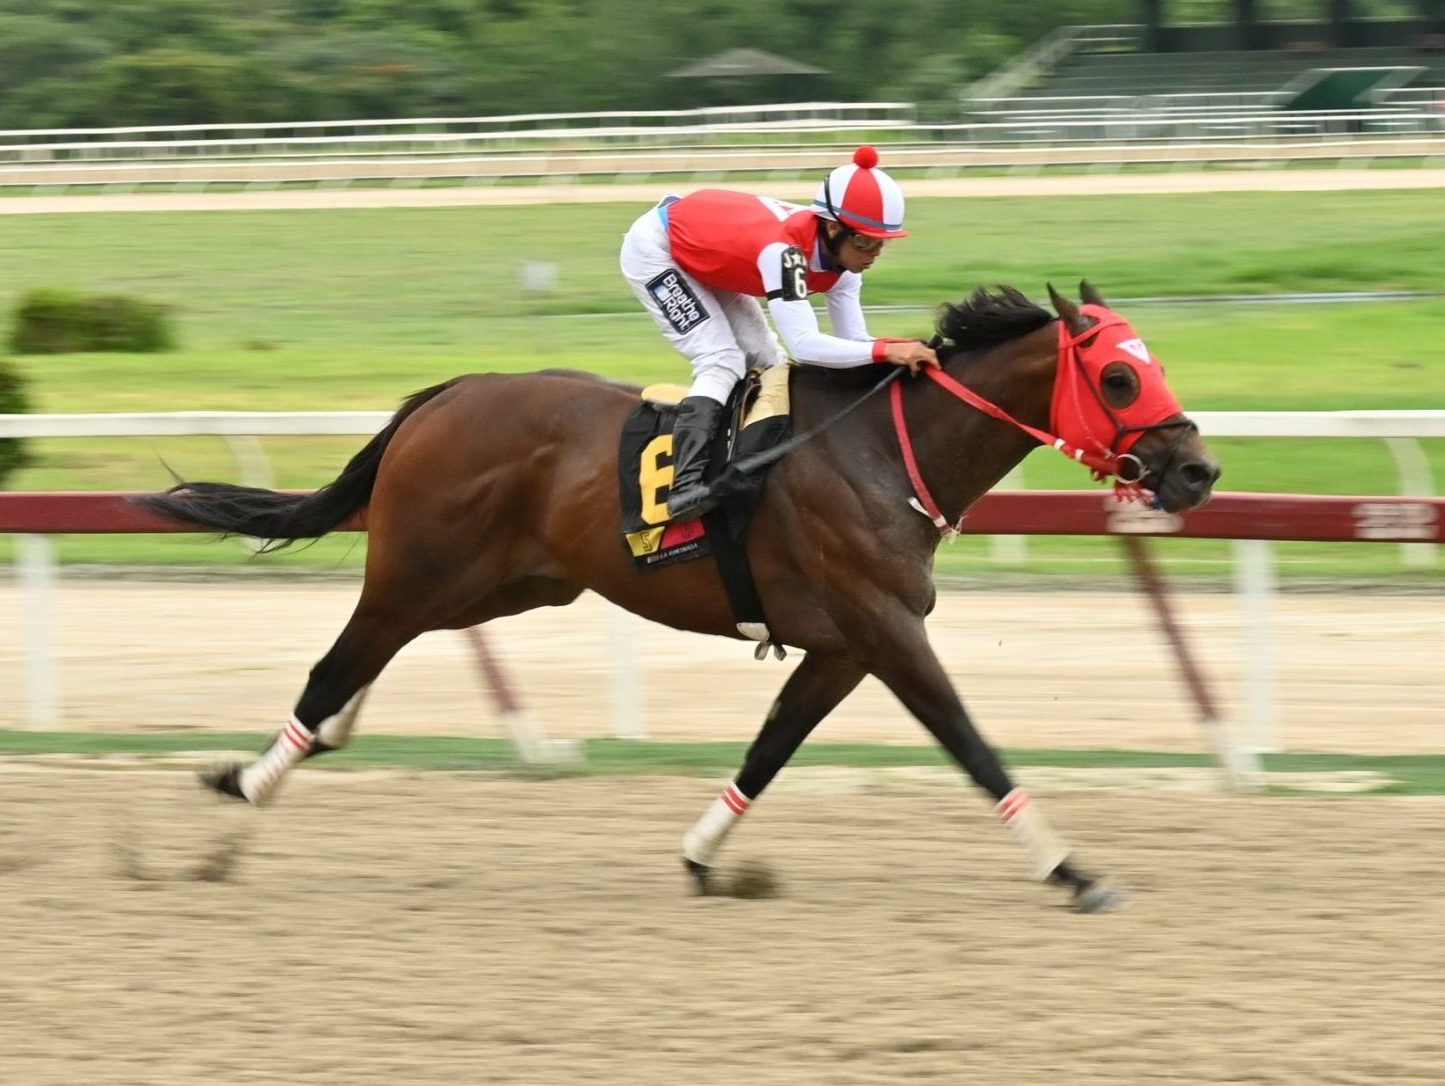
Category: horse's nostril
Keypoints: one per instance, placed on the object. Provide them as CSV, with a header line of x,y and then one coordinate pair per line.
x,y
1199,475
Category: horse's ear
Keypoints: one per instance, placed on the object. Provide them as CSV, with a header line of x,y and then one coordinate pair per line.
x,y
1068,312
1090,295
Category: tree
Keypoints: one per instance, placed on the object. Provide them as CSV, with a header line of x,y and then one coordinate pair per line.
x,y
177,86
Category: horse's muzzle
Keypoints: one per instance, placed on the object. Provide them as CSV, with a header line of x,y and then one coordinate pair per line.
x,y
1188,484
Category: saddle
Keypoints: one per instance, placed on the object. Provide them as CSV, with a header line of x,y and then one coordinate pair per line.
x,y
758,418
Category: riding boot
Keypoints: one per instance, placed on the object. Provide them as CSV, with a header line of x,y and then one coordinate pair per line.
x,y
692,437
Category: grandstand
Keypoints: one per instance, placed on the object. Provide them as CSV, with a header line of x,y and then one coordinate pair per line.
x,y
1264,71
1102,72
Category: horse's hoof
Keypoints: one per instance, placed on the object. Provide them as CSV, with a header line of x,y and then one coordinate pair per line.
x,y
701,876
224,779
1098,898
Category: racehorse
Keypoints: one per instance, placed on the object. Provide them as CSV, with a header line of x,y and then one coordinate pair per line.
x,y
493,494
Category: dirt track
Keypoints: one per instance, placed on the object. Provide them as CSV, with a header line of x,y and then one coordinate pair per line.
x,y
1357,672
447,930
390,929
1250,180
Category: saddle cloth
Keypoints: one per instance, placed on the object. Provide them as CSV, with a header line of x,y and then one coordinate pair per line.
x,y
645,466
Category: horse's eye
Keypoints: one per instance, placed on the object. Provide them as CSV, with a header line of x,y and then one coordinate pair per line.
x,y
1120,384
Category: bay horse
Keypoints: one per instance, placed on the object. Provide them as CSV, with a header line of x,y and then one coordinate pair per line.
x,y
492,494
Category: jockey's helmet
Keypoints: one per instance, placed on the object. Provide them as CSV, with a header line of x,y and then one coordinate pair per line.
x,y
862,197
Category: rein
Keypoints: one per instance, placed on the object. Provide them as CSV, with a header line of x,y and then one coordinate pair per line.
x,y
732,475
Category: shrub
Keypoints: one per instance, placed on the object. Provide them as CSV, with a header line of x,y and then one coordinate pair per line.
x,y
13,401
61,321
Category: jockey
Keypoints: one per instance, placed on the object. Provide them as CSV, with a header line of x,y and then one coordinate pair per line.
x,y
699,264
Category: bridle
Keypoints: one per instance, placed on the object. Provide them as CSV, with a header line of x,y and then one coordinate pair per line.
x,y
1086,430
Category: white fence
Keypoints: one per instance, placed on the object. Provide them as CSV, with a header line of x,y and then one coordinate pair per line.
x,y
784,140
1399,429
164,140
1254,572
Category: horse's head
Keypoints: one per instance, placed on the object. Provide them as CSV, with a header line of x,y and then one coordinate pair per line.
x,y
1113,410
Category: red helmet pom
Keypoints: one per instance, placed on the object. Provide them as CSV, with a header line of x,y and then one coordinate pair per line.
x,y
866,157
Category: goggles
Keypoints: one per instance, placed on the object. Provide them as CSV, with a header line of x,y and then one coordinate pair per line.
x,y
864,243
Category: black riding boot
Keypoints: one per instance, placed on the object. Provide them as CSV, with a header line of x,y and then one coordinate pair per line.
x,y
692,436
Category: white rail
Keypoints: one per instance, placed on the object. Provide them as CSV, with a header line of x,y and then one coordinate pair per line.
x,y
801,138
1356,424
1400,430
577,124
1254,568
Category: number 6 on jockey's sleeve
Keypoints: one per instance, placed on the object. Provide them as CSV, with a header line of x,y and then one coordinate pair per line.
x,y
795,275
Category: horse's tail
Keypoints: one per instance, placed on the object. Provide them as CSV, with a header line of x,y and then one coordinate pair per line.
x,y
279,518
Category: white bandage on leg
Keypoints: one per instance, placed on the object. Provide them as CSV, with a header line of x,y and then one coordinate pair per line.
x,y
701,842
1045,848
335,731
260,779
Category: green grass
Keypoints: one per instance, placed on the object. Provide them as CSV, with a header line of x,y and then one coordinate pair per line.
x,y
1407,774
316,310
416,279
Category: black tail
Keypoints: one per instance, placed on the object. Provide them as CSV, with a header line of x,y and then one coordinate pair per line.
x,y
278,518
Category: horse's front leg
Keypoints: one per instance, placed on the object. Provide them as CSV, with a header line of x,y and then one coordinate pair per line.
x,y
901,657
814,689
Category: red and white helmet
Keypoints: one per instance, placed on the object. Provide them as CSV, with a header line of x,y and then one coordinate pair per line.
x,y
862,197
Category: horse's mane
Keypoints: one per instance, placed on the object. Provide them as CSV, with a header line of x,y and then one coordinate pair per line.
x,y
987,318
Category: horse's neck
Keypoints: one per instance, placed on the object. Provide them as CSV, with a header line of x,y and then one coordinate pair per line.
x,y
961,452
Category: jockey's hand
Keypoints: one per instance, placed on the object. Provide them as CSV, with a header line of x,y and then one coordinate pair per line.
x,y
911,353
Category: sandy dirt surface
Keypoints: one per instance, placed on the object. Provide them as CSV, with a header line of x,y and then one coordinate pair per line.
x,y
390,929
1355,672
1021,184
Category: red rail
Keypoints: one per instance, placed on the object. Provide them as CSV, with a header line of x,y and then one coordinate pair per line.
x,y
1327,518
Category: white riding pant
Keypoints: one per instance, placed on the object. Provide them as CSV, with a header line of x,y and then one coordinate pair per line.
x,y
718,331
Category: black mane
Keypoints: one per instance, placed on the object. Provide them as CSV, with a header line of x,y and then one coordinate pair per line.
x,y
987,318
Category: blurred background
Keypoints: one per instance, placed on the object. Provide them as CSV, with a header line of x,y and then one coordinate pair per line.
x,y
323,205
68,64
352,309
294,208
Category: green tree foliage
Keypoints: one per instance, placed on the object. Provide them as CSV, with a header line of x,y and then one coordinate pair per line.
x,y
73,63
13,401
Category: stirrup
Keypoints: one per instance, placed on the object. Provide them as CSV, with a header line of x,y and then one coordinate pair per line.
x,y
760,633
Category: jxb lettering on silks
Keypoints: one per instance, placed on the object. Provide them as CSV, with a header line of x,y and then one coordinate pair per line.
x,y
678,303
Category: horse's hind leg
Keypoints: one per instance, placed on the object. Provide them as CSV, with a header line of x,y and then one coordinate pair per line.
x,y
814,689
326,713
